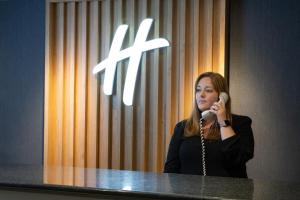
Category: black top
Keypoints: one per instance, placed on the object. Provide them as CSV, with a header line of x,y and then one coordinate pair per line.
x,y
223,158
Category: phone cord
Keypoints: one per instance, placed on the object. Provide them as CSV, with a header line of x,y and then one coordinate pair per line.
x,y
203,147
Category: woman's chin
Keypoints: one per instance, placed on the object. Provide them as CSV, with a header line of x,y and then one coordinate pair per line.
x,y
203,109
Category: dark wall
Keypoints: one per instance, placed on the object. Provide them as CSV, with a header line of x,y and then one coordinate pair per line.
x,y
22,53
264,65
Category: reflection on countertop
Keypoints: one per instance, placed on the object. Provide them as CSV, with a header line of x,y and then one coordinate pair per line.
x,y
143,184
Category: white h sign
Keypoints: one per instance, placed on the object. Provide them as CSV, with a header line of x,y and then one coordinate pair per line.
x,y
134,54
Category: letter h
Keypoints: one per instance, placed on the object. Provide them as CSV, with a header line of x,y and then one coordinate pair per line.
x,y
134,54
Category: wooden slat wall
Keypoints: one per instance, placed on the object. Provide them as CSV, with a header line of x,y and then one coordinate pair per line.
x,y
86,128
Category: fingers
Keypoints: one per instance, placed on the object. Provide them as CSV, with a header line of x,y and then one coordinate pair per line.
x,y
214,108
219,109
217,106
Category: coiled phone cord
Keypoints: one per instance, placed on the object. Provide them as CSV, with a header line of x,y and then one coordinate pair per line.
x,y
203,147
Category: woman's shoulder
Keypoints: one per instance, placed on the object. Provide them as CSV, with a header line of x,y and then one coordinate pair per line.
x,y
179,128
238,120
181,124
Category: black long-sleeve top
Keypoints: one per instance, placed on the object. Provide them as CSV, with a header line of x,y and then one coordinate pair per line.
x,y
223,157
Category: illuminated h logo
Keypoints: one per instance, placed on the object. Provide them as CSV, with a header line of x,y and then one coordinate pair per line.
x,y
134,54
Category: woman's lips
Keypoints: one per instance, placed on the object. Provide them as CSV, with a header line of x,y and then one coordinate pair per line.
x,y
202,101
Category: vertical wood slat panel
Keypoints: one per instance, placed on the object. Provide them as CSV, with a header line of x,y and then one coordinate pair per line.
x,y
55,91
69,89
80,94
181,54
92,99
205,36
167,67
92,91
48,22
108,134
69,86
218,35
51,124
154,90
129,132
59,70
117,132
188,62
195,59
174,66
105,144
160,91
142,111
47,81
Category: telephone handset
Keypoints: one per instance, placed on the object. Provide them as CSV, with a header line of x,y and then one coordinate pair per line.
x,y
222,97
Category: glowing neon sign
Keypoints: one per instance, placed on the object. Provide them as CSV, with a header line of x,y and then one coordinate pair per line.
x,y
134,54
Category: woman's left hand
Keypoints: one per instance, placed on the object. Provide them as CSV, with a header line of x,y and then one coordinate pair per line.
x,y
219,109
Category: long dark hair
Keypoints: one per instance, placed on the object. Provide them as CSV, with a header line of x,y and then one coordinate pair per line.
x,y
192,125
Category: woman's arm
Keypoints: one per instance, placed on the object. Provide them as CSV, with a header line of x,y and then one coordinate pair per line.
x,y
239,148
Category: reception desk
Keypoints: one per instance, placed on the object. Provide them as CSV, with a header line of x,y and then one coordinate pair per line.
x,y
38,182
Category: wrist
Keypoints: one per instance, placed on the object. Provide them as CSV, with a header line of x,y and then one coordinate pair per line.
x,y
221,119
224,123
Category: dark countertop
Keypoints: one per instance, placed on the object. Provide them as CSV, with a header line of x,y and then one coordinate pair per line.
x,y
143,184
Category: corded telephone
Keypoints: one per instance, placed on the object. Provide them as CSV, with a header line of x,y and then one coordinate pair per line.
x,y
222,97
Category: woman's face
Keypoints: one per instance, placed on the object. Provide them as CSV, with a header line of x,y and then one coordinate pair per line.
x,y
206,94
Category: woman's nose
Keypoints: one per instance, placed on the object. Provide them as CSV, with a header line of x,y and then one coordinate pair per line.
x,y
202,94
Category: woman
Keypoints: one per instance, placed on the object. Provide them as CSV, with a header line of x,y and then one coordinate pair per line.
x,y
220,144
